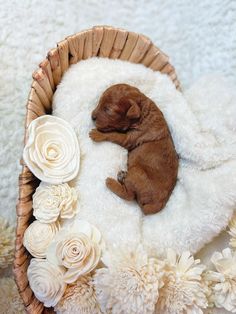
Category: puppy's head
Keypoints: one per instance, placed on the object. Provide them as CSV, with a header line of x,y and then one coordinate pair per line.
x,y
118,108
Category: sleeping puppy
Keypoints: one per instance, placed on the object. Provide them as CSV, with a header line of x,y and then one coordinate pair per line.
x,y
128,118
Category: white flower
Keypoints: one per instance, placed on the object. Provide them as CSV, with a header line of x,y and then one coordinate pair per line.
x,y
223,280
46,281
52,150
10,300
38,236
232,231
79,298
51,201
78,247
184,291
129,287
7,242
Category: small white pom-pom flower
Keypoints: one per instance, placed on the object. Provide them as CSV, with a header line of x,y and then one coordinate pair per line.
x,y
53,201
79,298
129,285
184,291
223,280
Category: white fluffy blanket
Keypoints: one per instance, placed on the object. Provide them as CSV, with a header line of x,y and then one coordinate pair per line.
x,y
203,128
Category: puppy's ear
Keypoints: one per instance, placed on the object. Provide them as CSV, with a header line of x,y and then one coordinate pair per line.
x,y
111,110
134,110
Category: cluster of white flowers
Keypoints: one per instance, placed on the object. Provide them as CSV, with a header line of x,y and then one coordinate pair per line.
x,y
145,285
64,252
75,251
175,284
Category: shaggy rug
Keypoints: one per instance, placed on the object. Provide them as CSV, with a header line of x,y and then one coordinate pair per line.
x,y
199,36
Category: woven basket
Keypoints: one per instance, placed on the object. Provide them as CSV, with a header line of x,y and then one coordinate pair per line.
x,y
101,41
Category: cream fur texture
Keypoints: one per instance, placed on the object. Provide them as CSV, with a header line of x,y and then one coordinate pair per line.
x,y
202,124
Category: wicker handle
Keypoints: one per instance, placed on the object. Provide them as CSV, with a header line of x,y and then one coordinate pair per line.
x,y
102,41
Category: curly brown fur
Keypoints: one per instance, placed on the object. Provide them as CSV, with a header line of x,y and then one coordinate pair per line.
x,y
128,118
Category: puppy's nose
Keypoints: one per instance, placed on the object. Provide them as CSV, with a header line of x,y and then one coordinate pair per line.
x,y
94,117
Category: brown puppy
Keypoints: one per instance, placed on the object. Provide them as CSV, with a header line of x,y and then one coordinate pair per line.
x,y
128,118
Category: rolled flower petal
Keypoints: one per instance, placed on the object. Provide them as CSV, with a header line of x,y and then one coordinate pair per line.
x,y
46,281
77,247
52,150
38,236
53,201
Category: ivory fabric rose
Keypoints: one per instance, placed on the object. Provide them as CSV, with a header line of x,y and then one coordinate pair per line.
x,y
52,150
78,247
46,281
38,236
52,201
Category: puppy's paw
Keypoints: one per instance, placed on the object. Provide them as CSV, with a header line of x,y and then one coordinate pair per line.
x,y
111,183
97,136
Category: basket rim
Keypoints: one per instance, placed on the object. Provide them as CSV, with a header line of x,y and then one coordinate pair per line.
x,y
101,41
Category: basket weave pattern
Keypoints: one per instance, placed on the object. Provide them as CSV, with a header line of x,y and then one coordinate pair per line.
x,y
101,41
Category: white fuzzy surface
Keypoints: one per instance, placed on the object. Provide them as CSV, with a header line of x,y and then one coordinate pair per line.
x,y
203,129
199,36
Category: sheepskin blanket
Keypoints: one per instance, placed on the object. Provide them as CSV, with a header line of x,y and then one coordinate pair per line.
x,y
202,125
